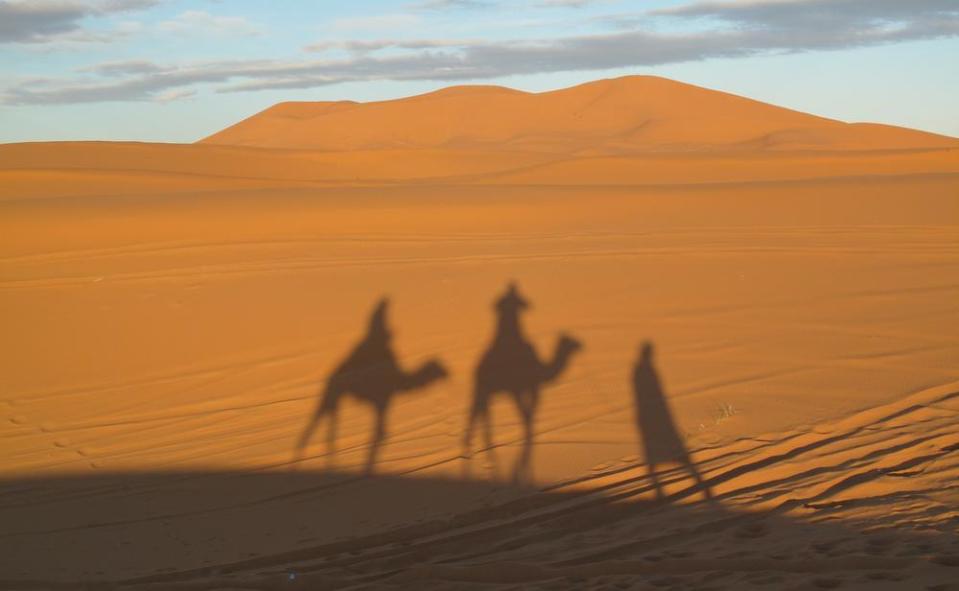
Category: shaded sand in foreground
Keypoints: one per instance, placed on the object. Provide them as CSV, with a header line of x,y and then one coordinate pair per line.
x,y
169,325
801,511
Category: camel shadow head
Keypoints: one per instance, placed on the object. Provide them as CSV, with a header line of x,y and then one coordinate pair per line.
x,y
433,371
568,345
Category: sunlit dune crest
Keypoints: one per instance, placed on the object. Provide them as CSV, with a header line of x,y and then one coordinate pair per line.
x,y
629,115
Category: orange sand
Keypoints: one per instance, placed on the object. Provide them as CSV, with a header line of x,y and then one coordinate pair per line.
x,y
171,313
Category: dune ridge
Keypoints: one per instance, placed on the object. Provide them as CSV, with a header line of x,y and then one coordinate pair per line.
x,y
616,116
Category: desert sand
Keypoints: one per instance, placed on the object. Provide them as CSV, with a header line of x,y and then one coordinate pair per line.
x,y
682,285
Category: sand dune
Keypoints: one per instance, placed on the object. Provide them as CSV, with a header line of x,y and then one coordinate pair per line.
x,y
619,116
174,315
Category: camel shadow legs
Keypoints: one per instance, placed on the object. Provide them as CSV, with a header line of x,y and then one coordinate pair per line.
x,y
331,438
523,470
330,411
325,409
376,441
479,413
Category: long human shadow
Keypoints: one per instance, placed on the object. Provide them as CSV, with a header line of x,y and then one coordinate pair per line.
x,y
511,365
371,374
660,440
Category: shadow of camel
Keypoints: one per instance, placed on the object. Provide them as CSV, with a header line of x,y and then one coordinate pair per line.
x,y
372,374
660,440
510,365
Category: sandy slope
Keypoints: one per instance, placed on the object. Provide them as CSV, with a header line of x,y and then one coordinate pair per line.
x,y
622,115
131,170
172,313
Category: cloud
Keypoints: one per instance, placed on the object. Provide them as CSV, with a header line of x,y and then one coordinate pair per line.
x,y
749,28
478,4
123,68
451,4
361,46
803,25
566,3
200,22
146,81
377,22
42,21
792,14
168,96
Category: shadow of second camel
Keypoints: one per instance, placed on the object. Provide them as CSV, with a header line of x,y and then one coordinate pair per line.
x,y
511,366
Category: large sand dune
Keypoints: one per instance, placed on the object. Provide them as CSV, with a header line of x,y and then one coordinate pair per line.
x,y
172,314
619,116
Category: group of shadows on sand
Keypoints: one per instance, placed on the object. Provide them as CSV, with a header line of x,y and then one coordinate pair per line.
x,y
510,366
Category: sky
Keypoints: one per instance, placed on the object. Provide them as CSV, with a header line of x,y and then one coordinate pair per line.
x,y
178,70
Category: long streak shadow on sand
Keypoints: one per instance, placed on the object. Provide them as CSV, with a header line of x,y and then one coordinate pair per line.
x,y
659,438
331,530
511,365
370,373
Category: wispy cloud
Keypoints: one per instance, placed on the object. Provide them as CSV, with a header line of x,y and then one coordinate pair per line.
x,y
567,3
199,22
361,46
746,29
124,68
42,21
131,81
376,22
451,4
792,14
168,96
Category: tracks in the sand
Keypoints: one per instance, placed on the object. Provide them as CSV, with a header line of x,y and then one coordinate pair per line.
x,y
544,535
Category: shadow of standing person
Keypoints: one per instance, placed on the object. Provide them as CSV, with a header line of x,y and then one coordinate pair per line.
x,y
661,442
370,373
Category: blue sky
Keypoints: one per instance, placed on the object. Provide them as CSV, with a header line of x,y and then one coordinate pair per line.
x,y
176,70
